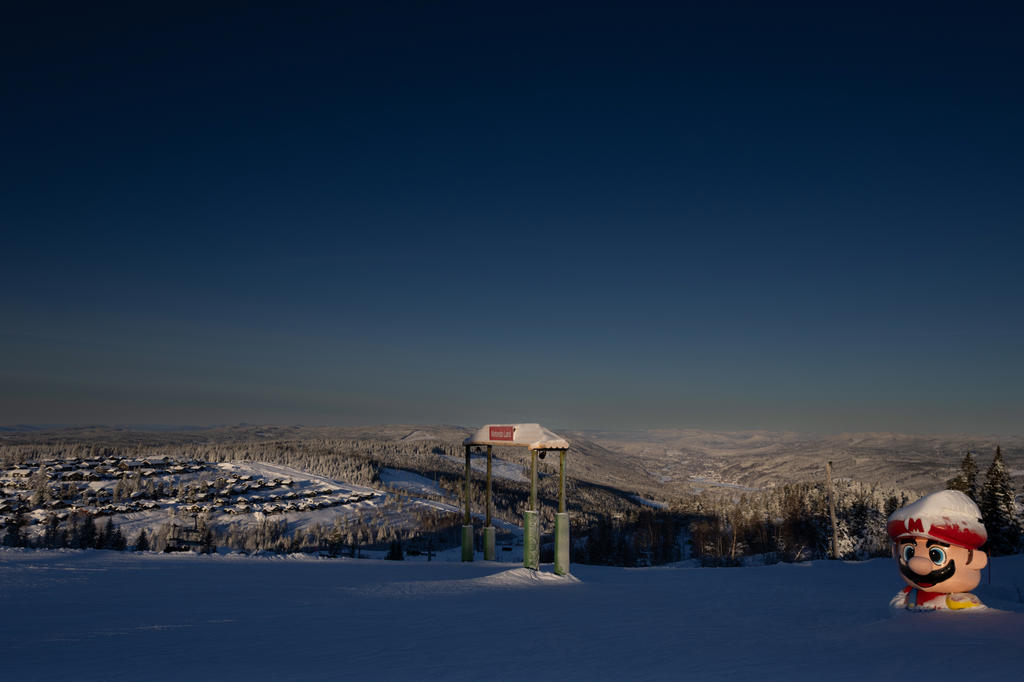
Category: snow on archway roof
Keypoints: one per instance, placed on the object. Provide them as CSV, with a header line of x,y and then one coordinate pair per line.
x,y
533,436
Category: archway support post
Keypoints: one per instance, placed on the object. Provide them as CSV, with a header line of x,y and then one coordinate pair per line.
x,y
531,521
488,528
467,520
561,522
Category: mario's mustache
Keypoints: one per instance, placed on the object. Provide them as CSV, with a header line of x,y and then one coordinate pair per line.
x,y
934,578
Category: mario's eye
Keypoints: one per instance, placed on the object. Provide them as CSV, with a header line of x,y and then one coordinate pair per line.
x,y
937,555
907,552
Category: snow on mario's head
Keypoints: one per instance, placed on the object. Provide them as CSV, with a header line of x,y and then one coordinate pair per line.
x,y
947,516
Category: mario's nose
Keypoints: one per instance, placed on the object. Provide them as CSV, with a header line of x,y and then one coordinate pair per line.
x,y
920,565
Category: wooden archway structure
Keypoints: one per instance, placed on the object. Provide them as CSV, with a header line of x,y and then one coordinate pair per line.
x,y
539,441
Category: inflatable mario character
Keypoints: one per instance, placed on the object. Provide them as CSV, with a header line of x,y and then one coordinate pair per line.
x,y
936,541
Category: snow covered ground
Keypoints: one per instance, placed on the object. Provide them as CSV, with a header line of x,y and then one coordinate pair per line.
x,y
411,482
649,503
116,616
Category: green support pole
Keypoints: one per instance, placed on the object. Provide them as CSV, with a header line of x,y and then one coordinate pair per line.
x,y
467,522
467,543
531,540
533,480
562,544
561,481
487,493
561,522
488,528
531,521
489,553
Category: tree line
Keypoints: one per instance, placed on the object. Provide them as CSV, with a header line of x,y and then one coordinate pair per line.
x,y
784,523
78,531
995,498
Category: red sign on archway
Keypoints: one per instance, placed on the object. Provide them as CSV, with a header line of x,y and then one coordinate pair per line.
x,y
502,433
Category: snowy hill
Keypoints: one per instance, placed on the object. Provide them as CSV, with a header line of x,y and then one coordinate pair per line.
x,y
98,615
670,458
657,463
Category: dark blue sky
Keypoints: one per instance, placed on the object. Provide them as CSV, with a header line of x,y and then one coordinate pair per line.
x,y
617,217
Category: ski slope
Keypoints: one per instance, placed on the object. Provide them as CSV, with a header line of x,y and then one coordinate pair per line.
x,y
500,468
97,615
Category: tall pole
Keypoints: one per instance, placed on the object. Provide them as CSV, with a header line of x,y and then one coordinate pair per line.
x,y
465,516
561,481
832,510
533,480
561,522
531,521
467,522
487,494
489,554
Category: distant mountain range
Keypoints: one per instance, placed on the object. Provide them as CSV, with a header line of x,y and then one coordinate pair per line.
x,y
655,463
760,458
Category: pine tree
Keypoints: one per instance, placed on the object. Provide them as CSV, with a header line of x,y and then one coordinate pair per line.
x,y
104,535
966,481
116,540
82,532
395,551
998,509
51,531
207,546
14,536
142,543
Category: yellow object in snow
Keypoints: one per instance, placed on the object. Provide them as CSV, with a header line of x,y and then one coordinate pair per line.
x,y
962,600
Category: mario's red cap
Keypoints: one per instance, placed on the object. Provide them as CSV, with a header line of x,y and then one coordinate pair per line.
x,y
947,516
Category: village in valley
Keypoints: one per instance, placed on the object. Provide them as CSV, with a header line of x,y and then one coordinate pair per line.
x,y
149,493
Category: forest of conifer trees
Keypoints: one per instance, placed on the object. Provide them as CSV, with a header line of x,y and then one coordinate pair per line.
x,y
716,526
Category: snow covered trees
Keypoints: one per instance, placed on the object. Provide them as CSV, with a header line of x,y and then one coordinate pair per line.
x,y
791,523
725,524
14,534
998,509
967,480
395,551
995,498
77,531
110,537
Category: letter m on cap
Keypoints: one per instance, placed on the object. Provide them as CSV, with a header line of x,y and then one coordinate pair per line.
x,y
915,526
